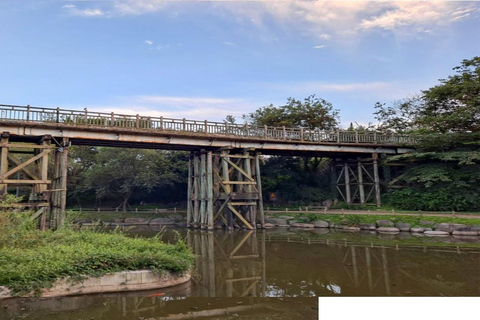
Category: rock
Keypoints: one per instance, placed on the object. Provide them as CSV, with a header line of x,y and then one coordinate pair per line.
x,y
283,225
428,229
118,220
175,217
367,226
321,224
405,227
351,229
449,227
331,225
437,233
387,230
137,221
269,225
417,229
385,223
290,222
427,223
465,233
467,229
286,217
161,221
276,221
303,225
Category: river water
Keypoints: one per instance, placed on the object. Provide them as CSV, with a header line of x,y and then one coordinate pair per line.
x,y
279,274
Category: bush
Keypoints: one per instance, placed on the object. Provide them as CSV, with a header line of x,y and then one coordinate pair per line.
x,y
31,259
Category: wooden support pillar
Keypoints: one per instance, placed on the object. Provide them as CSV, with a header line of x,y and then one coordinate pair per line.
x,y
247,167
348,194
203,194
259,188
210,221
361,189
376,178
226,179
189,190
59,186
196,190
4,161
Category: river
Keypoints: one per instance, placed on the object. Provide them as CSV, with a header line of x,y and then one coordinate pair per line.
x,y
279,274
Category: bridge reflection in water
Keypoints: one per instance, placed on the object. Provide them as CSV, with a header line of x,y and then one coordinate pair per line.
x,y
240,272
229,264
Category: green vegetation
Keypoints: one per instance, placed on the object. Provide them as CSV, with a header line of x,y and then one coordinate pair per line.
x,y
444,172
31,259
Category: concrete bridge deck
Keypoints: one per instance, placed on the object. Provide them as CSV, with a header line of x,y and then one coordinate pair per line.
x,y
27,124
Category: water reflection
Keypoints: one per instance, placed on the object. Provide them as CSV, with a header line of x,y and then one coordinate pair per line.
x,y
229,263
240,272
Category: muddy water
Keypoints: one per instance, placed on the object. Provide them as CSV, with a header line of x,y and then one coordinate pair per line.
x,y
278,274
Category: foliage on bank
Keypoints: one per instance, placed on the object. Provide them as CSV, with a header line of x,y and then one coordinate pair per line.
x,y
31,259
444,172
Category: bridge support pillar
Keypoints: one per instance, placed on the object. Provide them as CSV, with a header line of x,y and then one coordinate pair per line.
x,y
58,200
359,181
224,189
376,176
25,166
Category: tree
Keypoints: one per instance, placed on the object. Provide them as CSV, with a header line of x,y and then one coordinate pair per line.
x,y
453,106
445,119
119,172
312,113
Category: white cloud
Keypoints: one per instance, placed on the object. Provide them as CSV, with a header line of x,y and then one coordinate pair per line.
x,y
193,108
321,19
75,11
148,42
319,47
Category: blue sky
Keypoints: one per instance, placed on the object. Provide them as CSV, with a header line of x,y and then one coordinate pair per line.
x,y
207,59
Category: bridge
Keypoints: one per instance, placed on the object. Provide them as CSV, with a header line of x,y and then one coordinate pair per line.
x,y
224,184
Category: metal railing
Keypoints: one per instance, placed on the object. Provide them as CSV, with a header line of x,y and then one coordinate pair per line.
x,y
137,122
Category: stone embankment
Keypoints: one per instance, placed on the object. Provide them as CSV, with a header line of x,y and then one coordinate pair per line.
x,y
427,228
114,282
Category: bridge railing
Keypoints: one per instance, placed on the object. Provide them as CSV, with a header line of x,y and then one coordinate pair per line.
x,y
103,119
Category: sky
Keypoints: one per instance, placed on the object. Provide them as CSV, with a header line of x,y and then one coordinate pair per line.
x,y
204,60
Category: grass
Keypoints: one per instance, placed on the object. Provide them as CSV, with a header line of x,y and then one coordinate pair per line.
x,y
31,259
366,218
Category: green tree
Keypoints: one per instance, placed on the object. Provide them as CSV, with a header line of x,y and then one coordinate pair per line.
x,y
120,172
453,106
311,113
445,119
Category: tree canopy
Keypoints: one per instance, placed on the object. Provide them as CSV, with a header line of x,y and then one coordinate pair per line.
x,y
444,171
311,113
453,106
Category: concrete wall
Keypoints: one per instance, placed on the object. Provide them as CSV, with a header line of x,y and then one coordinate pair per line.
x,y
120,281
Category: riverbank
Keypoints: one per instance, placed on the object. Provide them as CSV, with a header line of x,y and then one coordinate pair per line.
x,y
32,260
